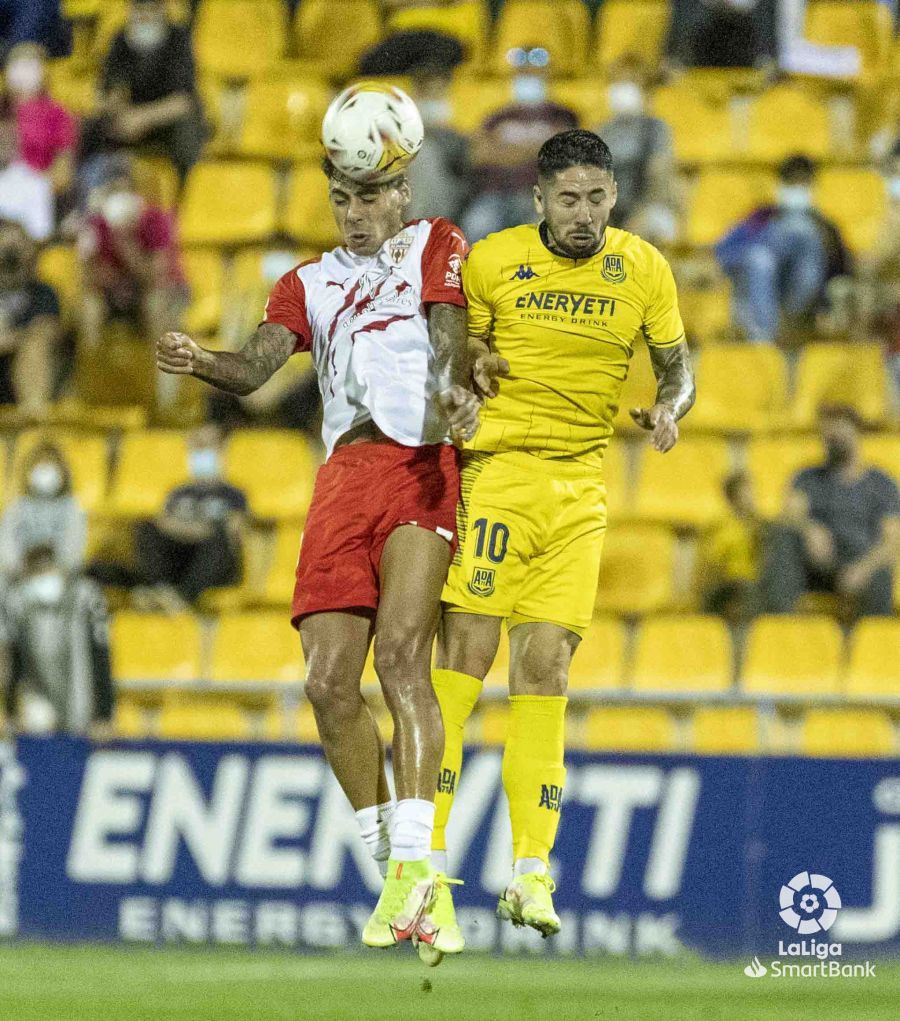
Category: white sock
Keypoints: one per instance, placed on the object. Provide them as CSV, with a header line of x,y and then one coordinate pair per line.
x,y
439,861
374,826
524,865
411,829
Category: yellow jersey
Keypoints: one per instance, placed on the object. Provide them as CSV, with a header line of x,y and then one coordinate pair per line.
x,y
567,327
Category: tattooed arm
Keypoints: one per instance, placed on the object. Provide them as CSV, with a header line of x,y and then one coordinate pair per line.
x,y
447,332
675,395
237,372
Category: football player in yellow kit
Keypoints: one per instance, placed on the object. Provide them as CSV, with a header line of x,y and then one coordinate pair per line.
x,y
555,308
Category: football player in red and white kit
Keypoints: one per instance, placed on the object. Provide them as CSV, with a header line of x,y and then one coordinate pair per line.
x,y
384,317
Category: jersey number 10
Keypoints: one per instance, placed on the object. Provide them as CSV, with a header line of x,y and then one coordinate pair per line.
x,y
496,543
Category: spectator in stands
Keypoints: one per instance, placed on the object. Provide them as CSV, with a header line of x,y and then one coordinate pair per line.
x,y
642,148
26,195
504,150
55,638
782,257
732,555
29,325
723,33
149,97
881,273
841,528
47,514
196,543
33,21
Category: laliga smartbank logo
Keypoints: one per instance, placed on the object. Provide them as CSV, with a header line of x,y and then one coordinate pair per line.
x,y
809,904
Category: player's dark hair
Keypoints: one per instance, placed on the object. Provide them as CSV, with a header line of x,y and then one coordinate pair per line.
x,y
573,149
831,410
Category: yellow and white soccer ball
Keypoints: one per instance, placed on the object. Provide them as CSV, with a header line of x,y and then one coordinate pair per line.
x,y
372,132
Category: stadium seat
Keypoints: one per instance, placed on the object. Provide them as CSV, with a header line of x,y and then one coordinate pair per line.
x,y
792,656
720,199
774,118
883,451
307,731
701,127
874,667
283,118
155,647
333,34
865,24
773,461
275,468
58,266
682,654
599,660
228,204
587,97
129,718
743,388
70,85
846,373
254,561
157,180
308,216
259,646
473,99
725,730
684,487
636,571
630,729
856,200
190,718
205,272
639,390
631,26
86,455
239,38
524,24
465,20
850,733
150,465
278,584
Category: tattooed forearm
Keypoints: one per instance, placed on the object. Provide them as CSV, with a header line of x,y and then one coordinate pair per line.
x,y
674,378
242,372
447,330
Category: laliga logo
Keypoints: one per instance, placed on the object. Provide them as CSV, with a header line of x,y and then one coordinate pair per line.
x,y
809,903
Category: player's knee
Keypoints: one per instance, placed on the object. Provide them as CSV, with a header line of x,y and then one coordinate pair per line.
x,y
467,650
332,697
402,654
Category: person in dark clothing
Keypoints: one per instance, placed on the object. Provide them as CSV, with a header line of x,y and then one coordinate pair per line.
x,y
34,21
841,528
723,33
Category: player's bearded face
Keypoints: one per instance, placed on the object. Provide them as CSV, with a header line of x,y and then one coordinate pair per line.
x,y
576,203
367,215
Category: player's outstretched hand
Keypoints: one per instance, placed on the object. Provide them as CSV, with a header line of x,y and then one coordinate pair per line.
x,y
660,421
487,372
461,407
178,354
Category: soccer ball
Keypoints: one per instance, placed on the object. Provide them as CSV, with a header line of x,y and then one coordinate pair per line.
x,y
372,132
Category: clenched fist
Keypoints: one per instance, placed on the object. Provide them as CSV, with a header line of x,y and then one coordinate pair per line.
x,y
461,407
660,421
178,354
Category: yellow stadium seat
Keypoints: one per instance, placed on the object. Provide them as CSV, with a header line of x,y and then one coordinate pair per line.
x,y
631,26
86,455
865,24
690,653
883,451
191,718
856,200
206,277
792,656
130,718
155,647
636,570
333,34
775,117
283,118
465,20
639,390
58,266
70,86
157,180
874,667
599,660
725,730
239,38
278,586
684,486
474,99
151,464
228,204
308,216
840,373
848,733
587,97
630,729
554,25
743,388
701,127
276,469
720,199
773,461
494,720
259,646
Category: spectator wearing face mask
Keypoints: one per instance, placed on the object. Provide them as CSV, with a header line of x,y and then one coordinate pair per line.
x,y
841,529
782,257
504,150
149,97
29,326
645,162
46,514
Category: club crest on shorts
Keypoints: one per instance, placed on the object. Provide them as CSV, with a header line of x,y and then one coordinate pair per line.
x,y
482,583
613,269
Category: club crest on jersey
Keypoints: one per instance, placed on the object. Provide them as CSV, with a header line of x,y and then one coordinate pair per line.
x,y
399,246
482,583
613,270
524,273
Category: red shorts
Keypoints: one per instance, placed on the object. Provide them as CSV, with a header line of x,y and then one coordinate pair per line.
x,y
363,492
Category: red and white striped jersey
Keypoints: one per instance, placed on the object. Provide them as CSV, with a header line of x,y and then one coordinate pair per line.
x,y
364,320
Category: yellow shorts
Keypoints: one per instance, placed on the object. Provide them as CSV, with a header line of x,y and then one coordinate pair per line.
x,y
530,537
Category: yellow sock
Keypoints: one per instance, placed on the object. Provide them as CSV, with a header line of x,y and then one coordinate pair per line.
x,y
456,694
533,772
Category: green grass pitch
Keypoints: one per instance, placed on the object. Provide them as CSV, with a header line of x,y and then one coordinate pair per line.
x,y
87,983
